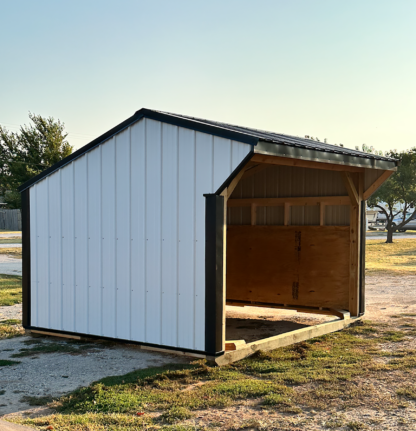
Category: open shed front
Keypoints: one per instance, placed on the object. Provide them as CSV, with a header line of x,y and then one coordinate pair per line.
x,y
294,239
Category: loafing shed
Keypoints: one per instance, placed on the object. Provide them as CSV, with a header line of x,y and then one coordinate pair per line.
x,y
145,234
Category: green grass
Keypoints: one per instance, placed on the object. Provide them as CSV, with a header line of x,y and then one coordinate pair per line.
x,y
173,392
74,347
5,363
10,289
11,328
11,240
398,258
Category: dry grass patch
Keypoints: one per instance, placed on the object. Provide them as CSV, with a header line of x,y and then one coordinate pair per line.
x,y
10,289
11,328
398,258
15,252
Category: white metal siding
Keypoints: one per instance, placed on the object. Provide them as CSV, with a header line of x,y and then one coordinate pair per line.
x,y
118,236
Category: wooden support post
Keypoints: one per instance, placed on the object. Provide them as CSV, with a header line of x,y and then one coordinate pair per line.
x,y
253,214
322,214
356,197
287,214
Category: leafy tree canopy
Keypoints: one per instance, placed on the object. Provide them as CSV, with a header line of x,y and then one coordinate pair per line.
x,y
28,152
400,188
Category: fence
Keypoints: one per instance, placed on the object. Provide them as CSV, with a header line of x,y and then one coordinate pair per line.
x,y
10,219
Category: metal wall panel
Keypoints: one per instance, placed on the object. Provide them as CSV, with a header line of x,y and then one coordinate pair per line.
x,y
33,255
118,236
288,181
68,248
55,244
94,241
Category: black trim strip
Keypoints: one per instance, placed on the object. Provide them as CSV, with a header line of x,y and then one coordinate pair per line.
x,y
362,257
118,340
214,266
26,258
153,115
283,150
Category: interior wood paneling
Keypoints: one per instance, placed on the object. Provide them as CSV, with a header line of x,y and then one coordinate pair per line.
x,y
295,265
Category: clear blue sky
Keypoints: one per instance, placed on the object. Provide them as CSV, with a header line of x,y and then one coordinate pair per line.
x,y
335,69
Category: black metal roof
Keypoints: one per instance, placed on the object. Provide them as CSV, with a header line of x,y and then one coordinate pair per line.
x,y
237,133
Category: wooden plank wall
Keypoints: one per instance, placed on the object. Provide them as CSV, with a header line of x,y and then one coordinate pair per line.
x,y
10,219
289,265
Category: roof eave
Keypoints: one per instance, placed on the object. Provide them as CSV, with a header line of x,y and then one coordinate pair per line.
x,y
283,150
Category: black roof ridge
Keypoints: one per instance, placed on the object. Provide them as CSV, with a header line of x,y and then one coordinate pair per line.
x,y
228,131
341,150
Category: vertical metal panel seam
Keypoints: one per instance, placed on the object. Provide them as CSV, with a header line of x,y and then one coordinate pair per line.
x,y
161,232
37,254
177,236
101,242
74,248
88,156
49,251
130,238
116,233
62,252
194,246
145,228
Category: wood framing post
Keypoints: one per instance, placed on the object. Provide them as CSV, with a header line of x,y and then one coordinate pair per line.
x,y
356,195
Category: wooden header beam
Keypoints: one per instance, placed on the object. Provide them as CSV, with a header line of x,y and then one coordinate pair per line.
x,y
274,202
286,161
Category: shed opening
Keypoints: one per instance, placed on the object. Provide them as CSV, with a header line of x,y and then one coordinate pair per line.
x,y
292,243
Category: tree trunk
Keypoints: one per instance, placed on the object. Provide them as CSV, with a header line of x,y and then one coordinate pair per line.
x,y
389,239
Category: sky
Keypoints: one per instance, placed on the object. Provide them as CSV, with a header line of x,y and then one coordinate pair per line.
x,y
334,69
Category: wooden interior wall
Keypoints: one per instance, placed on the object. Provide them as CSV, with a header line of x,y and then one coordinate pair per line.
x,y
289,265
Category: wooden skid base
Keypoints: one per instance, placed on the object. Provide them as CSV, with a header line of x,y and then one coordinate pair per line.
x,y
283,340
36,332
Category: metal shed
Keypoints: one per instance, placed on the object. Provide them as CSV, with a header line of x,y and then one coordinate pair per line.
x,y
146,233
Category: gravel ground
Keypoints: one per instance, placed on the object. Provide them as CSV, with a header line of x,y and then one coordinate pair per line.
x,y
10,245
11,312
10,265
54,374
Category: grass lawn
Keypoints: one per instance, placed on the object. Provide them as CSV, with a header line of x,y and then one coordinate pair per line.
x,y
11,240
319,374
15,252
398,258
10,289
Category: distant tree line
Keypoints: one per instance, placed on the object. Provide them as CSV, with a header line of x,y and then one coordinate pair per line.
x,y
26,153
400,188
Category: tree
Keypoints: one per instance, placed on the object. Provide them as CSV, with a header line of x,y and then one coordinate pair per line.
x,y
26,153
400,188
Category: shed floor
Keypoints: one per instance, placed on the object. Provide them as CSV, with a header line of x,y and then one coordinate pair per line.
x,y
256,323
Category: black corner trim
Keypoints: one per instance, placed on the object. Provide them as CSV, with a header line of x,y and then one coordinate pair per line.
x,y
153,115
362,258
26,258
214,265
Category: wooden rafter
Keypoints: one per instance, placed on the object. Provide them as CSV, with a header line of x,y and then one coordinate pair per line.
x,y
254,168
286,161
377,183
349,185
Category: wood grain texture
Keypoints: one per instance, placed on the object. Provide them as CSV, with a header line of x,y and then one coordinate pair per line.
x,y
297,265
287,161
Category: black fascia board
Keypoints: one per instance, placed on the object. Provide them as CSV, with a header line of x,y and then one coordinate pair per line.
x,y
153,115
302,153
